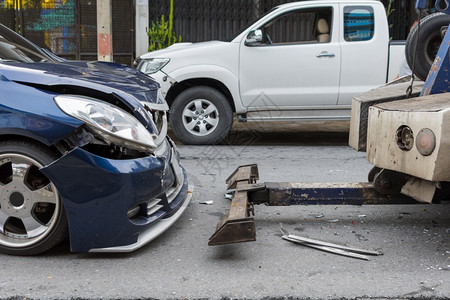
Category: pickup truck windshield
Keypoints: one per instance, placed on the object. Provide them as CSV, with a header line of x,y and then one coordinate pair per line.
x,y
15,48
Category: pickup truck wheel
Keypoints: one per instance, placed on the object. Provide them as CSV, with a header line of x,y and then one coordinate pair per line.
x,y
201,115
32,216
428,43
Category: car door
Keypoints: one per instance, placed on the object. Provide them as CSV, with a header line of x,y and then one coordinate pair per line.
x,y
290,68
364,50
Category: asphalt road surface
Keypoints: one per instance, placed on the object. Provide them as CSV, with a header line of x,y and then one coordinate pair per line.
x,y
415,239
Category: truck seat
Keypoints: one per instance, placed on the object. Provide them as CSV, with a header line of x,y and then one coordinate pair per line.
x,y
323,31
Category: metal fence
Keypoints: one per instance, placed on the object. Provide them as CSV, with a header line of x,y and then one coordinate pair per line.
x,y
202,20
401,18
69,27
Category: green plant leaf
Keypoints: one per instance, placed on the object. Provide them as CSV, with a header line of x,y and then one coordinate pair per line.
x,y
161,33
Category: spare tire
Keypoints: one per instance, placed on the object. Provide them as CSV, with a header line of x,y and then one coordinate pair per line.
x,y
428,43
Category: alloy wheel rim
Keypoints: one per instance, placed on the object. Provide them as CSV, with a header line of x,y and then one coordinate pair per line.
x,y
29,202
200,117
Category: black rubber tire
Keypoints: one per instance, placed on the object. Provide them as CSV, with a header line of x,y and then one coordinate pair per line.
x,y
428,43
374,171
58,231
224,116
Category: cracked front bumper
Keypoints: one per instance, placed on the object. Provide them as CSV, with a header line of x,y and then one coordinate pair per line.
x,y
98,193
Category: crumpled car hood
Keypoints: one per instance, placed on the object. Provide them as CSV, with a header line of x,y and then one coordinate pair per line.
x,y
101,76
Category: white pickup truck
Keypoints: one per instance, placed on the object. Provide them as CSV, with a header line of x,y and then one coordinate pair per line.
x,y
301,61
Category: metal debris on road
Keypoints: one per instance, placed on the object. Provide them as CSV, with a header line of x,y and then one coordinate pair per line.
x,y
329,247
333,221
208,202
229,196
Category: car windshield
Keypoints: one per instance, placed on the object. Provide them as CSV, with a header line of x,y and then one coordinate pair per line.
x,y
14,47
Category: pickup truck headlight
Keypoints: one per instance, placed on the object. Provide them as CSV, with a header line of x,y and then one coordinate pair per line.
x,y
152,65
108,122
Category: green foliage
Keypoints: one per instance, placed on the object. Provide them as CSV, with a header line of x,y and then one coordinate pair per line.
x,y
389,10
161,33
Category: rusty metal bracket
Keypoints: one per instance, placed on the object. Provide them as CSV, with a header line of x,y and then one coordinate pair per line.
x,y
245,173
237,226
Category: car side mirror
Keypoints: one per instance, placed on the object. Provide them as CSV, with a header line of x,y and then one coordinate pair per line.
x,y
254,37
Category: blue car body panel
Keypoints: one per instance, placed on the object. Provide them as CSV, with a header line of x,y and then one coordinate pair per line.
x,y
26,111
96,75
97,212
127,84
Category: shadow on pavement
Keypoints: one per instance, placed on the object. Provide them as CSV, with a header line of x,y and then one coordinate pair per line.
x,y
287,138
286,133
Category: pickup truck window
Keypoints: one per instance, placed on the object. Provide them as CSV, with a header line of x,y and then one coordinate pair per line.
x,y
358,23
299,26
243,28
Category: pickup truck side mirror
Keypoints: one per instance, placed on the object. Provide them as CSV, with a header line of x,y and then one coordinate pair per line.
x,y
254,37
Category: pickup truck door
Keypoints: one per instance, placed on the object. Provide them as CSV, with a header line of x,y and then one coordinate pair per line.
x,y
365,48
290,68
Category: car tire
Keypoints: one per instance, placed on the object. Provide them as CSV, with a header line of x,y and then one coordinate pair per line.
x,y
32,216
428,43
201,115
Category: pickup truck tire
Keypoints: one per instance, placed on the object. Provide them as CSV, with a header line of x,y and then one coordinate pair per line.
x,y
428,43
201,115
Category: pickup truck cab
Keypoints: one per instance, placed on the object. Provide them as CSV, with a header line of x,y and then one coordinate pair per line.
x,y
301,61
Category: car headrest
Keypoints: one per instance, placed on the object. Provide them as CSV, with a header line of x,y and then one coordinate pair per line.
x,y
322,26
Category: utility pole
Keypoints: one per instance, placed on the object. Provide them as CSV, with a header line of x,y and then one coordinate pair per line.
x,y
142,23
104,30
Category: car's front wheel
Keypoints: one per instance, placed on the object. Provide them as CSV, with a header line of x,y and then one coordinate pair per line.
x,y
32,216
201,115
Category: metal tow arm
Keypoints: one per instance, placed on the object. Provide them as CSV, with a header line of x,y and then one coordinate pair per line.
x,y
239,226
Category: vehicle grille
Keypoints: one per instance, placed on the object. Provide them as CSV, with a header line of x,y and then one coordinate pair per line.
x,y
154,206
173,192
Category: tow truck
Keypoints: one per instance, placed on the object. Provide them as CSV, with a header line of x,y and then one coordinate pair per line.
x,y
404,128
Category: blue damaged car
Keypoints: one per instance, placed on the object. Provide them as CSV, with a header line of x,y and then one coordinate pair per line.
x,y
84,153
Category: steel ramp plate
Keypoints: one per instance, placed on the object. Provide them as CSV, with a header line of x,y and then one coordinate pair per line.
x,y
234,231
237,226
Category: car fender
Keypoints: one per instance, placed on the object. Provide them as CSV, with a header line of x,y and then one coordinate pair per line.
x,y
28,112
218,73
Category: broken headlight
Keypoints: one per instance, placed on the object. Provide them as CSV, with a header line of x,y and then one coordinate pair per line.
x,y
108,122
152,65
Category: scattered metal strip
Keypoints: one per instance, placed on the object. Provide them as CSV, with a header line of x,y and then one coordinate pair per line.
x,y
328,249
326,246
